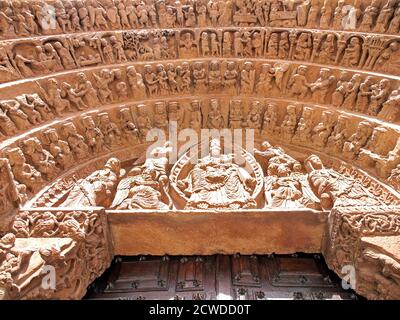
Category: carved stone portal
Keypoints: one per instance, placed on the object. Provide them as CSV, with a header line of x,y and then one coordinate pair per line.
x,y
305,95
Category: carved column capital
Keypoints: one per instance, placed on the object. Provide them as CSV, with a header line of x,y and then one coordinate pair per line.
x,y
366,239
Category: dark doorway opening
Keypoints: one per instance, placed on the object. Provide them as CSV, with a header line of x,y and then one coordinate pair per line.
x,y
239,277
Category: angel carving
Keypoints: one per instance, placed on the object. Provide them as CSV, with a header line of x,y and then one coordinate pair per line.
x,y
334,188
146,186
96,189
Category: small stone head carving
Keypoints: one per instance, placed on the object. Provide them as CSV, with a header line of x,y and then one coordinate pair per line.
x,y
312,163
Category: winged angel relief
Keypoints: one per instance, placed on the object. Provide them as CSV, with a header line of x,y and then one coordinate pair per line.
x,y
146,186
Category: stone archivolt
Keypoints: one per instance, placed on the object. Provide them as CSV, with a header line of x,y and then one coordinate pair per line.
x,y
80,91
41,56
56,98
25,18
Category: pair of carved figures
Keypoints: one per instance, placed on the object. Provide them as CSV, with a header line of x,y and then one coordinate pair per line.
x,y
287,185
143,187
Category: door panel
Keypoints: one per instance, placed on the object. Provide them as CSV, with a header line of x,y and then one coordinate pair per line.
x,y
238,277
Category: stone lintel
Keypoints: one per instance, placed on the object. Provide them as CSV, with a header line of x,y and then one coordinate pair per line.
x,y
212,232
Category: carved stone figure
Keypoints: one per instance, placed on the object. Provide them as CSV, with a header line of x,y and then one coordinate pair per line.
x,y
303,47
42,159
273,45
369,15
298,84
146,186
98,188
103,81
111,132
84,89
56,97
151,80
70,95
364,95
247,78
66,58
235,114
305,126
352,147
214,76
215,120
12,194
162,78
160,116
270,119
379,96
321,86
6,125
339,135
8,71
375,149
384,16
75,141
59,149
230,77
387,59
24,173
352,53
265,83
394,25
188,46
351,92
143,121
332,188
284,45
254,117
196,118
340,91
216,182
289,122
323,129
34,116
391,107
135,81
93,135
327,52
13,110
199,76
129,131
285,185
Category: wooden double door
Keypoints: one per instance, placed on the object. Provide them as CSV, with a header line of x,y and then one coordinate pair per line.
x,y
259,277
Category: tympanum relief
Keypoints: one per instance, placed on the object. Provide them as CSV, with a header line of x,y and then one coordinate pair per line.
x,y
267,177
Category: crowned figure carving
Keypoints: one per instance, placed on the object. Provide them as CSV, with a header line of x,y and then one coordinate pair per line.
x,y
216,182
